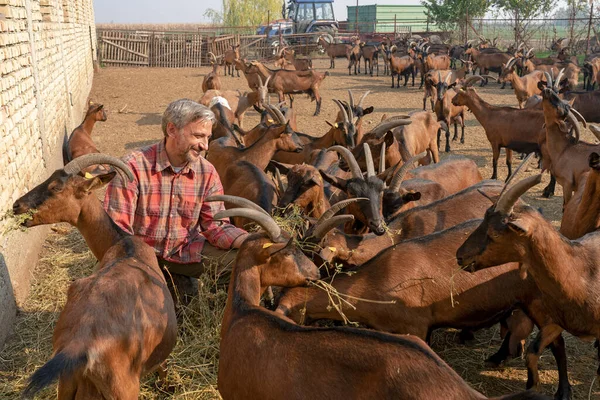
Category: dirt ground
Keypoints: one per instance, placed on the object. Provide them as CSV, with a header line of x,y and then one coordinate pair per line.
x,y
135,99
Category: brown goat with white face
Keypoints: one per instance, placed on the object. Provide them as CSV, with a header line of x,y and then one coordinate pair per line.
x,y
378,365
119,323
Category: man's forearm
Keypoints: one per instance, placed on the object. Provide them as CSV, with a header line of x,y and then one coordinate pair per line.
x,y
239,240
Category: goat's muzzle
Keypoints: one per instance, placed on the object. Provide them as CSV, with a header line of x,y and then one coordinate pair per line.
x,y
377,227
20,207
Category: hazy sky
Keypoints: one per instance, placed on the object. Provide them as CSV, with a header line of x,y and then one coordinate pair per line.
x,y
182,11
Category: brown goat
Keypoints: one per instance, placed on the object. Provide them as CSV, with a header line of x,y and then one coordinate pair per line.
x,y
342,354
335,50
400,66
119,323
564,270
212,80
239,102
525,86
568,158
229,57
293,82
505,127
80,142
487,61
354,250
447,113
581,214
370,54
429,291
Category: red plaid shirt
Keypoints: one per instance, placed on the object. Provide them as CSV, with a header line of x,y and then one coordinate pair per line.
x,y
167,209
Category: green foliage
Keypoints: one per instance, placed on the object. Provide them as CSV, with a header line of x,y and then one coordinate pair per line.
x,y
450,14
244,12
525,9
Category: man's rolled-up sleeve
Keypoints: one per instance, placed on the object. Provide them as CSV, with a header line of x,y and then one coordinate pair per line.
x,y
219,233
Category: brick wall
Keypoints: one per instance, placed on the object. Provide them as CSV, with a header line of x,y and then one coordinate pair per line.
x,y
47,52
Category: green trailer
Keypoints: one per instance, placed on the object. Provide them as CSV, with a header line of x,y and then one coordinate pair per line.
x,y
376,18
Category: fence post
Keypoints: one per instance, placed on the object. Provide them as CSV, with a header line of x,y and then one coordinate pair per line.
x,y
395,32
587,47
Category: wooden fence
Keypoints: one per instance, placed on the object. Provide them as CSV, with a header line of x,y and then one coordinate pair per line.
x,y
149,49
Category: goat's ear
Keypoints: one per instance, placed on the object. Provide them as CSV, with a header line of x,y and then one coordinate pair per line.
x,y
97,182
411,196
571,101
368,110
283,168
339,183
452,85
542,85
317,180
519,225
389,139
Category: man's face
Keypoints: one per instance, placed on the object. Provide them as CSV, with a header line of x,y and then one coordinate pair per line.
x,y
187,143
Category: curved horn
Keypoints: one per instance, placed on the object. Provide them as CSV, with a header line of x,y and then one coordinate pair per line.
x,y
267,80
350,160
362,98
351,100
382,158
260,82
548,79
448,78
507,201
472,79
579,117
397,179
78,164
369,160
343,109
280,115
238,201
391,123
334,209
557,81
439,76
514,174
212,55
273,112
575,124
528,52
267,223
595,130
320,231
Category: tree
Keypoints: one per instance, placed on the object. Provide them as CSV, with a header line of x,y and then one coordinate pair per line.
x,y
244,12
450,15
523,13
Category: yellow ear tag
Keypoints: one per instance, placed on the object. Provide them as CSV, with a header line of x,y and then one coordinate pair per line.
x,y
267,245
336,125
270,121
88,175
333,249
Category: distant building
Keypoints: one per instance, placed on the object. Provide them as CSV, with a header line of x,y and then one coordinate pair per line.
x,y
380,18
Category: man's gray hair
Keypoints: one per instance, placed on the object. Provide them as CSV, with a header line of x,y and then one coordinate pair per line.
x,y
183,111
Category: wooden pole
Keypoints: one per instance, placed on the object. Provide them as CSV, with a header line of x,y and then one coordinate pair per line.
x,y
587,46
356,18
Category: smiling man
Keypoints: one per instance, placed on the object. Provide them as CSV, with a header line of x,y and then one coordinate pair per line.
x,y
164,205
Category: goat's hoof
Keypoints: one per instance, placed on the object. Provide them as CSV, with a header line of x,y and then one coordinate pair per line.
x,y
493,361
447,149
563,394
547,193
462,141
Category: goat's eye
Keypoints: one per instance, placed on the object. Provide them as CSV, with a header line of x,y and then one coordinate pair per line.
x,y
55,187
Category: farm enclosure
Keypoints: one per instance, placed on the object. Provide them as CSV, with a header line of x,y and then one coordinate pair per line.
x,y
135,99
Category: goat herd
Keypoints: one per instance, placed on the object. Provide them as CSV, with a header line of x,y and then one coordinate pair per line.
x,y
405,235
